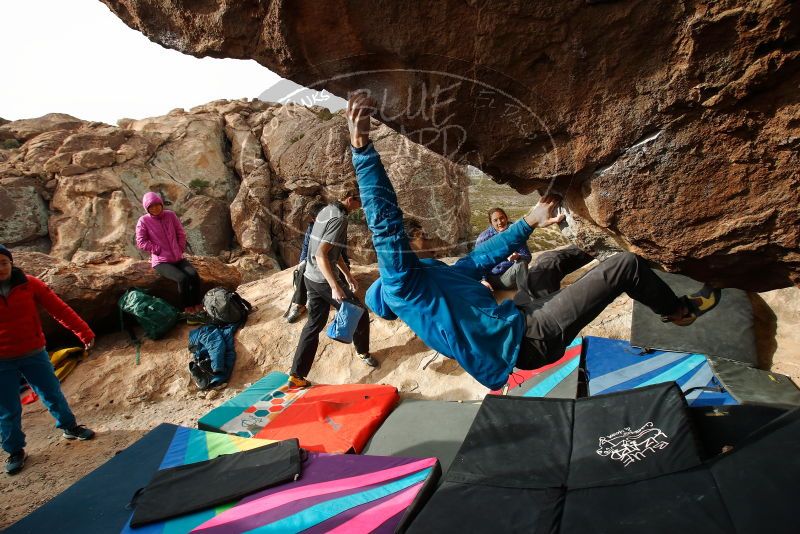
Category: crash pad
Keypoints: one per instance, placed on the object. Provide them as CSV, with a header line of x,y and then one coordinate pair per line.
x,y
423,428
559,379
727,331
325,418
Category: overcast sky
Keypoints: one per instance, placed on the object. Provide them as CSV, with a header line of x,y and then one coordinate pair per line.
x,y
76,57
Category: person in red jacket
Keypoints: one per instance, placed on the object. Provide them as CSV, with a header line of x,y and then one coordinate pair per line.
x,y
23,354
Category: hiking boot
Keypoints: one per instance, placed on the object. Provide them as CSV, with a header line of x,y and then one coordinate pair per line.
x,y
369,360
298,381
218,382
295,312
15,462
78,432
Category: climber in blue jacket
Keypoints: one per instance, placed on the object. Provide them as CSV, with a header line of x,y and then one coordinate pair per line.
x,y
454,314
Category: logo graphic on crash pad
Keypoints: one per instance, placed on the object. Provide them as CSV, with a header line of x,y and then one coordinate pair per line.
x,y
629,446
254,418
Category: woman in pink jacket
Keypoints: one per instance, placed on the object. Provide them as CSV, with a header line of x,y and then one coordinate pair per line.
x,y
160,233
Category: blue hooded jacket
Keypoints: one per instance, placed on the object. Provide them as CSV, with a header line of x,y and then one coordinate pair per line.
x,y
446,306
217,343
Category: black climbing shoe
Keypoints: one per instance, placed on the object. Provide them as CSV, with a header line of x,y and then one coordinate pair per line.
x,y
705,299
369,360
295,312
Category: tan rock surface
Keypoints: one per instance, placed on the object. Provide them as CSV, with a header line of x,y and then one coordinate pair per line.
x,y
251,217
309,153
242,175
23,215
25,129
208,226
191,155
670,126
778,330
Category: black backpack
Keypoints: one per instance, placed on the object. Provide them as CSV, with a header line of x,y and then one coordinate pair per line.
x,y
226,307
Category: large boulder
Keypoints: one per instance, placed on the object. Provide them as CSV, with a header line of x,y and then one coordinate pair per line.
x,y
309,152
242,175
92,212
23,215
96,175
25,129
192,155
250,212
207,225
670,127
93,283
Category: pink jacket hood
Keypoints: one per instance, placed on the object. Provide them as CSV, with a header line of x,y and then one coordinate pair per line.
x,y
151,198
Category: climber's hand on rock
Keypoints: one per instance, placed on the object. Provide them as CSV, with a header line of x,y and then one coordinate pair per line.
x,y
542,214
360,107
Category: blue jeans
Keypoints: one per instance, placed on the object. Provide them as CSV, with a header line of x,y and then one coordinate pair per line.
x,y
39,373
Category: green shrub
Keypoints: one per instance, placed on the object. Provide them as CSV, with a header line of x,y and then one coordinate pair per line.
x,y
357,217
11,143
324,114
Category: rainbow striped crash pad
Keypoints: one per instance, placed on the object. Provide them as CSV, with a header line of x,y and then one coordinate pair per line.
x,y
324,418
190,446
336,493
340,493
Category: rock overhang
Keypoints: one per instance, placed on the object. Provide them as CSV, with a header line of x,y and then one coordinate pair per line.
x,y
667,126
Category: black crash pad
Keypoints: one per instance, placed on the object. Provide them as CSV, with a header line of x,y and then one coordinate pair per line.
x,y
726,331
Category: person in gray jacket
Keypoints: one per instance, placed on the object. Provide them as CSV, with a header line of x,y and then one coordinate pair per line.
x,y
328,286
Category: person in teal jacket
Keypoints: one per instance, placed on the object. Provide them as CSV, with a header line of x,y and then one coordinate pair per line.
x,y
454,314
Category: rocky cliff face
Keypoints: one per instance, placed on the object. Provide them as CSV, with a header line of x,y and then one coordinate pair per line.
x,y
241,175
671,127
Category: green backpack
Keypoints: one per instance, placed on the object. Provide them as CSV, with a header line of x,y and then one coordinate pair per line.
x,y
156,316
